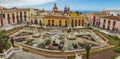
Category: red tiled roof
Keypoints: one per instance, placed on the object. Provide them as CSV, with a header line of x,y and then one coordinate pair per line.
x,y
112,17
56,17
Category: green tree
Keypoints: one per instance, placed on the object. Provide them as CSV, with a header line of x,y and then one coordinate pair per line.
x,y
1,45
87,48
88,25
27,23
3,42
77,12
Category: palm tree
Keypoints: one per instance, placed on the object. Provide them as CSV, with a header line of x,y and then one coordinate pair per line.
x,y
87,48
40,24
12,41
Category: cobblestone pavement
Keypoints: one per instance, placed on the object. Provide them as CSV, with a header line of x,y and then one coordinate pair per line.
x,y
109,54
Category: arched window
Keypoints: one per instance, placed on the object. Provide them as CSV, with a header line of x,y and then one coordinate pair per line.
x,y
104,22
118,14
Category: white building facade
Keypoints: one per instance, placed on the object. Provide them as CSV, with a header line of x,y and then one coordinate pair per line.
x,y
110,23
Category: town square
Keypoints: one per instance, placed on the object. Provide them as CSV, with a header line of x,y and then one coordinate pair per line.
x,y
56,31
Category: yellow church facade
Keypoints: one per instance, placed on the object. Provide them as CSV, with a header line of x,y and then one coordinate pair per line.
x,y
56,21
73,20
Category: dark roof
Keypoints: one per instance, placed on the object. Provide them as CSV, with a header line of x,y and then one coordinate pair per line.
x,y
55,8
112,17
56,17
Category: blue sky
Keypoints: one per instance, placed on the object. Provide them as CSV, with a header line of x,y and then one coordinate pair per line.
x,y
91,5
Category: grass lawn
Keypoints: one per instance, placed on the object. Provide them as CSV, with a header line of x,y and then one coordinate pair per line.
x,y
111,40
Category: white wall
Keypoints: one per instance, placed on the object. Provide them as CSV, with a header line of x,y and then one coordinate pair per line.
x,y
111,23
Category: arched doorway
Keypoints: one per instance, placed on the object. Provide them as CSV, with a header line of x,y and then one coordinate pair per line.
x,y
72,23
79,22
76,22
13,17
31,22
20,16
25,17
36,21
1,20
114,23
60,23
66,23
52,22
17,19
83,22
104,24
109,25
8,19
48,22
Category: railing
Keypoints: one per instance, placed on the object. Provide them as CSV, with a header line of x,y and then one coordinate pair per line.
x,y
9,52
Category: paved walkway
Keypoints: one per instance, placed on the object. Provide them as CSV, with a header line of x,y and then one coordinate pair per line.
x,y
23,55
109,54
29,55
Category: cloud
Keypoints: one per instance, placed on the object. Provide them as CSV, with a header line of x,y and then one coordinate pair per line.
x,y
10,3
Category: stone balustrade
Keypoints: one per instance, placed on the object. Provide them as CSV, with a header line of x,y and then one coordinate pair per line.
x,y
60,53
9,52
